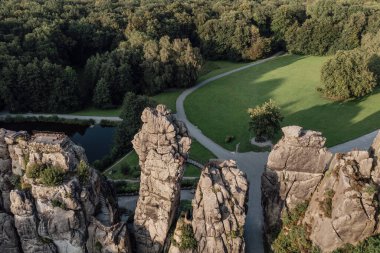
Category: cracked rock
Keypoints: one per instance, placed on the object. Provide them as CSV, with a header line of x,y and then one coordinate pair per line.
x,y
219,208
294,169
162,145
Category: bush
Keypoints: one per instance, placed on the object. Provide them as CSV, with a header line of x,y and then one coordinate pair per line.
x,y
57,203
15,181
34,171
83,172
265,120
187,238
347,75
371,244
293,236
126,187
52,176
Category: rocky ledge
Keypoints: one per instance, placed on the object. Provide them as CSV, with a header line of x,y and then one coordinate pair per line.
x,y
53,201
340,192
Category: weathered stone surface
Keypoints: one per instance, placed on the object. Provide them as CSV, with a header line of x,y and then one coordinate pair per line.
x,y
26,223
299,150
219,208
344,208
9,242
343,200
6,177
295,167
60,218
108,238
162,145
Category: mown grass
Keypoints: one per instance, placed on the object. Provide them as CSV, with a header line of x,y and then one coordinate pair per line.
x,y
169,97
92,111
220,108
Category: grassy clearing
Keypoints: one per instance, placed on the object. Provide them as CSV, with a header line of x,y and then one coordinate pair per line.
x,y
168,98
125,168
291,81
213,68
92,111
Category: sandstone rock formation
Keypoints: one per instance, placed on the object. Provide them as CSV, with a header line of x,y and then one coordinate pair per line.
x,y
219,208
162,146
294,169
344,208
61,204
343,203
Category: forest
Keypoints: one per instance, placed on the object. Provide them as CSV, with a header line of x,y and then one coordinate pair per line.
x,y
64,55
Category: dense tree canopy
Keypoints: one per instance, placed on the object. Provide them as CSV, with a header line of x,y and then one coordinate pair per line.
x,y
347,75
142,46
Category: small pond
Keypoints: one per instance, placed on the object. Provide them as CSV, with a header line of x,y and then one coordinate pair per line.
x,y
96,140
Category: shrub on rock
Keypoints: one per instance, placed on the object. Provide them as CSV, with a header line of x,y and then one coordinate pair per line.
x,y
52,176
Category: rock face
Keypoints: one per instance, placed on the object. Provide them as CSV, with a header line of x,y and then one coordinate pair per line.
x,y
162,146
219,208
344,208
61,205
294,169
343,200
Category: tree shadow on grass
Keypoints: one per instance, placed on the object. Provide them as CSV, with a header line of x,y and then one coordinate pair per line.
x,y
335,121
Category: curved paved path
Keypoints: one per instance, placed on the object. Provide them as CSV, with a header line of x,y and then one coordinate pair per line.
x,y
97,119
251,163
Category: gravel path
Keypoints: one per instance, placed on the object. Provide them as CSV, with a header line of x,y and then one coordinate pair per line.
x,y
361,143
97,119
251,163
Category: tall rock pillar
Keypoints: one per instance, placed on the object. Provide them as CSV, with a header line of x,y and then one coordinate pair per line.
x,y
162,146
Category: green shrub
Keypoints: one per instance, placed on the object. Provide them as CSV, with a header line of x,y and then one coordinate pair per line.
x,y
126,187
187,238
52,176
347,75
34,170
16,181
98,246
293,236
57,203
83,172
265,120
370,245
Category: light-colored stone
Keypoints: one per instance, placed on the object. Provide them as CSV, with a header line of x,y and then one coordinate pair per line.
x,y
162,146
219,209
60,218
344,208
295,167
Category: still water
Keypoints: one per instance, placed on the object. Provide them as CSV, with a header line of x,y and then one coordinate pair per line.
x,y
96,140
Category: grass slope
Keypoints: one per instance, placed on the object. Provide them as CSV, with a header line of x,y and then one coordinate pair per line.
x,y
220,108
169,97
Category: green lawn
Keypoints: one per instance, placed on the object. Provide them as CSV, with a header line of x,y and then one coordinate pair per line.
x,y
91,111
213,68
220,108
169,97
118,171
